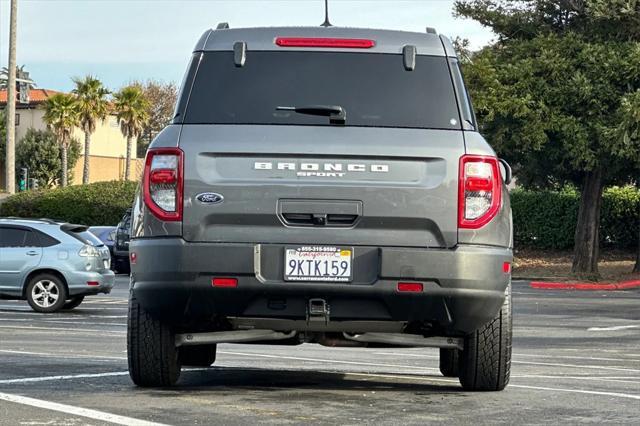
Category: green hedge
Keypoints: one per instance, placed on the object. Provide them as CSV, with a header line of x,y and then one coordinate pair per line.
x,y
547,219
101,203
541,219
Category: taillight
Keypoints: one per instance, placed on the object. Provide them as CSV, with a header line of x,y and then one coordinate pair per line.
x,y
352,43
163,183
479,191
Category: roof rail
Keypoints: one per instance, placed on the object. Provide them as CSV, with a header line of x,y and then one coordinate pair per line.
x,y
223,26
33,219
431,30
51,221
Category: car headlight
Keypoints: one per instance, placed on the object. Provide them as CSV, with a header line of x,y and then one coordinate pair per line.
x,y
89,251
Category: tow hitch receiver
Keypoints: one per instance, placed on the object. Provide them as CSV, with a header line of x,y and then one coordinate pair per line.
x,y
318,311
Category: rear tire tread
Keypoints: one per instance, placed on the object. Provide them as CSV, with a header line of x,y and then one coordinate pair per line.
x,y
485,363
153,357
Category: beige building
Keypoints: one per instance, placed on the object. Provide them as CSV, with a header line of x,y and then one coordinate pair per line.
x,y
108,147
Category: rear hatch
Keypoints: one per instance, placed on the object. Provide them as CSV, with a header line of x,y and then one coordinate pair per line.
x,y
257,171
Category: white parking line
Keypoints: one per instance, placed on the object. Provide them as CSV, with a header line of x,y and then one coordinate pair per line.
x,y
64,377
76,411
76,330
53,321
588,392
594,367
551,364
63,355
517,355
614,328
562,377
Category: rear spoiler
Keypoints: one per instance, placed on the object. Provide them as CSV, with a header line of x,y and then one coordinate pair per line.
x,y
70,227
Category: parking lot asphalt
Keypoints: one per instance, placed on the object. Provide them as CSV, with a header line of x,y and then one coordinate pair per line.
x,y
576,360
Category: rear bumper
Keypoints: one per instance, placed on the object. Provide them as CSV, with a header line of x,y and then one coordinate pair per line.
x,y
78,282
463,287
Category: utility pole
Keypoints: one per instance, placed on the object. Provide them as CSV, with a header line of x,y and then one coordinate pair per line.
x,y
10,160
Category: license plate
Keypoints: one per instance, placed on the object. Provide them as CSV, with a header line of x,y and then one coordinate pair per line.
x,y
318,263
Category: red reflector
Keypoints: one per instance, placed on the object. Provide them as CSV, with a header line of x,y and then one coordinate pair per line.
x,y
93,283
133,258
356,43
224,282
478,184
506,267
411,287
161,176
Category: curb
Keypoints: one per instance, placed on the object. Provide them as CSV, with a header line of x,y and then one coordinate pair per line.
x,y
624,285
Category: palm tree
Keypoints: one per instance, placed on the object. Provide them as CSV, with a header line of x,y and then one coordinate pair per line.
x,y
132,109
92,105
62,115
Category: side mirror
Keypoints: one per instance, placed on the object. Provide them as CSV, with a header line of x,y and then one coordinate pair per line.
x,y
507,174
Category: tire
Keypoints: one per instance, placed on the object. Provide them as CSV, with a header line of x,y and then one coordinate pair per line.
x,y
198,356
46,293
151,351
485,362
74,302
450,362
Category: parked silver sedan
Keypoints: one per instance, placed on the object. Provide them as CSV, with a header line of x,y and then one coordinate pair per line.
x,y
53,265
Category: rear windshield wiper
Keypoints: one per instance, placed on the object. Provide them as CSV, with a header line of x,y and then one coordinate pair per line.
x,y
336,114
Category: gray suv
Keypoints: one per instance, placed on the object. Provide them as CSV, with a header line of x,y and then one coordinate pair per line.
x,y
53,265
322,185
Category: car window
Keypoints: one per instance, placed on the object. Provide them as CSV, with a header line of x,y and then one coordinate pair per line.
x,y
373,89
87,238
13,237
22,237
40,239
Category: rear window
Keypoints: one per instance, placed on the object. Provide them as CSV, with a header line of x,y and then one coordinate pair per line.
x,y
373,89
84,236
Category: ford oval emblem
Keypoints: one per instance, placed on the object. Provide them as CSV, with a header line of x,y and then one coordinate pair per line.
x,y
210,198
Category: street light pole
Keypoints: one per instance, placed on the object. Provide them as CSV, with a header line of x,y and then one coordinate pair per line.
x,y
10,155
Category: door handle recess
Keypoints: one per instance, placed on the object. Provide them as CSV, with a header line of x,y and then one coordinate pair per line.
x,y
32,253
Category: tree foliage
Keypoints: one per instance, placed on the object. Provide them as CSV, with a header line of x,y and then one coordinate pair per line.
x,y
132,110
556,96
3,135
62,115
91,98
161,97
40,152
554,105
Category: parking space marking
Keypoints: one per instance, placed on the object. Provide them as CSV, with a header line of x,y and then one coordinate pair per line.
x,y
552,364
516,355
62,377
76,411
77,330
595,367
562,377
53,321
64,355
614,328
582,391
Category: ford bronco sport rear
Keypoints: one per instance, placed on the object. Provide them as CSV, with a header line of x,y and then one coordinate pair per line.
x,y
321,185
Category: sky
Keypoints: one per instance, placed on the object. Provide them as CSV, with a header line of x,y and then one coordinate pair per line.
x,y
124,40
